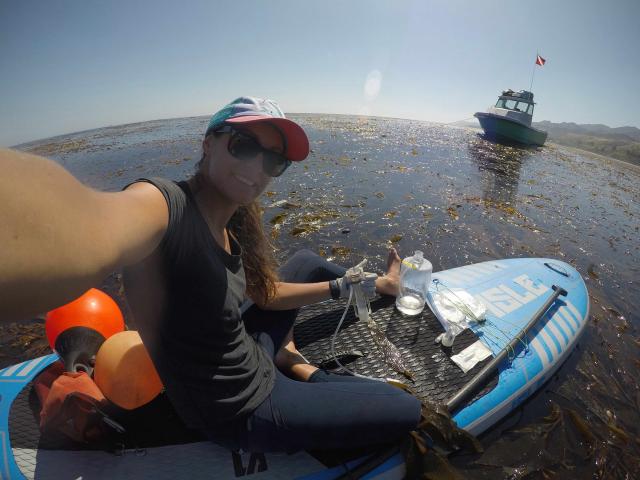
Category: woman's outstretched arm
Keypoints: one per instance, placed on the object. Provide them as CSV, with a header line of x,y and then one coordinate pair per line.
x,y
59,238
295,295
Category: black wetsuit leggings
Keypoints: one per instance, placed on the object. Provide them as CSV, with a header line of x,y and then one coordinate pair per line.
x,y
329,410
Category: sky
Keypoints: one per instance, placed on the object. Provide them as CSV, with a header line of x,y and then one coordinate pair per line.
x,y
68,66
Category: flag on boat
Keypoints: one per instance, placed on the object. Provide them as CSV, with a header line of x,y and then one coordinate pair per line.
x,y
539,60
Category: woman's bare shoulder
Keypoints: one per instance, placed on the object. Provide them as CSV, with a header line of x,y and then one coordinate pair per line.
x,y
140,215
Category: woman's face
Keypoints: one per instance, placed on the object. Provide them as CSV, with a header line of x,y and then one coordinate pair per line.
x,y
241,181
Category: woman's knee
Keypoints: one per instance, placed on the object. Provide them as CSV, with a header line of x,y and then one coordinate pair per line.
x,y
401,406
412,410
304,255
307,266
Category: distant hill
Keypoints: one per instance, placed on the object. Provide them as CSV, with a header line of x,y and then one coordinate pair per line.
x,y
622,143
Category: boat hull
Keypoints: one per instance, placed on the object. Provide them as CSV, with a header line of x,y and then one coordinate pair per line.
x,y
499,127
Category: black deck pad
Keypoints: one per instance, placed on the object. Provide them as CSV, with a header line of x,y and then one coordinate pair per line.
x,y
437,377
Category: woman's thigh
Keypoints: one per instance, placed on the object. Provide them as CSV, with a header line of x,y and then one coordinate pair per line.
x,y
303,415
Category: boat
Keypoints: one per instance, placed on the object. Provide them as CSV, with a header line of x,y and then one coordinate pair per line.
x,y
518,295
510,119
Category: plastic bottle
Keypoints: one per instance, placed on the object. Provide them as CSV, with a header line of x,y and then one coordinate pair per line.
x,y
415,277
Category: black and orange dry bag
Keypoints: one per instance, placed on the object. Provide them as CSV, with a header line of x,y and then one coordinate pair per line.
x,y
72,404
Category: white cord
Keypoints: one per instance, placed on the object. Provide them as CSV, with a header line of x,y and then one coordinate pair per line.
x,y
333,342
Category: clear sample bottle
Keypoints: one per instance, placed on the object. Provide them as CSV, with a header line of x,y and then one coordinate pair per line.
x,y
415,276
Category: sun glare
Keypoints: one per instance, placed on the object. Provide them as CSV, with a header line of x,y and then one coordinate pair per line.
x,y
372,85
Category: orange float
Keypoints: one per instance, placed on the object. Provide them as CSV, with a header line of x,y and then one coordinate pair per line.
x,y
94,309
124,371
76,330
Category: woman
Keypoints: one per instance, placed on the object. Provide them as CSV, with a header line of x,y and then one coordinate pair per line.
x,y
192,250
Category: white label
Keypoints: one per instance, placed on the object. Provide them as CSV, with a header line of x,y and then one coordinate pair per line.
x,y
502,299
534,287
526,298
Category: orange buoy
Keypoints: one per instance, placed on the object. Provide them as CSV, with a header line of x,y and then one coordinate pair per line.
x,y
94,309
76,330
124,371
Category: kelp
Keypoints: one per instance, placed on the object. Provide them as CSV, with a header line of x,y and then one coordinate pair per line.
x,y
390,353
566,441
278,219
25,340
425,451
61,147
303,229
340,250
310,221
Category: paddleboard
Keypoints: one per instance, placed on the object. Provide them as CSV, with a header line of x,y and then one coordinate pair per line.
x,y
511,290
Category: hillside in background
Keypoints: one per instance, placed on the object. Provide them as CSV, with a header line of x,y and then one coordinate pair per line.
x,y
622,143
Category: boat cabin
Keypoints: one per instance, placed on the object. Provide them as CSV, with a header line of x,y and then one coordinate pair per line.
x,y
516,106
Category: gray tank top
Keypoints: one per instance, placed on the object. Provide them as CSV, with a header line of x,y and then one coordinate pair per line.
x,y
185,299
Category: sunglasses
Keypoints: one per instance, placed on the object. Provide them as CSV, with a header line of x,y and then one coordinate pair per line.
x,y
244,147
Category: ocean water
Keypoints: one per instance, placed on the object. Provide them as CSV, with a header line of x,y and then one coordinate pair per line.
x,y
371,183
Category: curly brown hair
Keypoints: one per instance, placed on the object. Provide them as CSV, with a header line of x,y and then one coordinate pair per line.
x,y
258,258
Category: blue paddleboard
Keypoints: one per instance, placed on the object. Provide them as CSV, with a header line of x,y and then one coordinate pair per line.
x,y
511,290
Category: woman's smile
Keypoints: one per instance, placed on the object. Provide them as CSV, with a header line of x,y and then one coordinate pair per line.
x,y
244,180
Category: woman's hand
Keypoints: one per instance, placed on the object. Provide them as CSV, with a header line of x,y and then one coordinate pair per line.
x,y
389,283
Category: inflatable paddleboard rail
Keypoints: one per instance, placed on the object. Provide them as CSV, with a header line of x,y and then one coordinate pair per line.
x,y
467,390
454,402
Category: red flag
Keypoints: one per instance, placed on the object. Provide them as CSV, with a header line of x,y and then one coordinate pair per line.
x,y
539,60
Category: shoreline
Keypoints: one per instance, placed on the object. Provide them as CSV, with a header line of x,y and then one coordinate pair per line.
x,y
598,156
